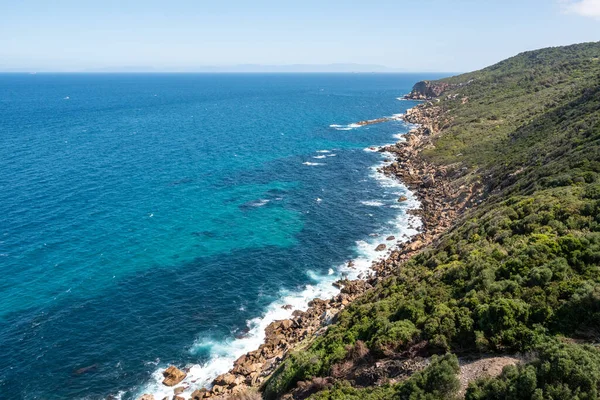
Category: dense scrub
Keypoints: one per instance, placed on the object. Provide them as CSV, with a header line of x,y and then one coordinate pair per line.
x,y
520,269
437,381
559,372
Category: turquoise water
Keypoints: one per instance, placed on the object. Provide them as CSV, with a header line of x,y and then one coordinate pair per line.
x,y
150,219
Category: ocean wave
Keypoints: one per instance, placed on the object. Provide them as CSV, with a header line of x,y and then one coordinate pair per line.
x,y
372,203
312,163
223,353
345,127
319,157
323,151
255,203
331,155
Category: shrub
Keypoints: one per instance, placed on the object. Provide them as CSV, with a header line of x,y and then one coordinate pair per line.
x,y
561,371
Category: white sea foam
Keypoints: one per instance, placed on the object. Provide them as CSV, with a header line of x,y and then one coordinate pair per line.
x,y
259,203
312,163
331,155
224,352
344,127
319,156
372,203
323,151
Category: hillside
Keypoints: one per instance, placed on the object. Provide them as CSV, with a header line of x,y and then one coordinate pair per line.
x,y
517,270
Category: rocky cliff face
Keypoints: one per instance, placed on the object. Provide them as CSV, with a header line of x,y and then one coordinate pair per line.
x,y
426,90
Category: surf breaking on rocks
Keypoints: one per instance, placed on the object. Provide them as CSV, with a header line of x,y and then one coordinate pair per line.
x,y
224,353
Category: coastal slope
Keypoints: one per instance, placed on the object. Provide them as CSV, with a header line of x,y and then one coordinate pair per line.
x,y
506,272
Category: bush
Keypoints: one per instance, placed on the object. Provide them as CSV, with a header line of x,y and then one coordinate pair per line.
x,y
562,371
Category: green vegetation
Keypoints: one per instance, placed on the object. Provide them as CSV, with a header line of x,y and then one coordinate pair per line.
x,y
559,372
436,382
519,270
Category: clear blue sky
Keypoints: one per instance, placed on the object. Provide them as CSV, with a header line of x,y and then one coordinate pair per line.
x,y
416,35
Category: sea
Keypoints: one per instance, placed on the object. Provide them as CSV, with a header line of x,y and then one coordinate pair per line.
x,y
149,220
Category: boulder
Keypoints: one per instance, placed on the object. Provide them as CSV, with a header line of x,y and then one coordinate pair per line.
x,y
226,380
381,247
146,397
428,181
354,288
199,394
218,389
178,390
402,199
173,376
391,238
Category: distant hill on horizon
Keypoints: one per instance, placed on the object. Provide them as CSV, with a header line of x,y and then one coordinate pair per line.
x,y
239,68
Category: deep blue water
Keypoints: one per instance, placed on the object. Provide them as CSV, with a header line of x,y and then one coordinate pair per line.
x,y
145,219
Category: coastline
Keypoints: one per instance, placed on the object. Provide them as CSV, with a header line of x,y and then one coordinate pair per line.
x,y
439,202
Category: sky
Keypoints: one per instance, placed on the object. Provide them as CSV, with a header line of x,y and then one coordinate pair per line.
x,y
183,35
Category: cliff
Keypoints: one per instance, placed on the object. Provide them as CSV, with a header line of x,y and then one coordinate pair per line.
x,y
426,90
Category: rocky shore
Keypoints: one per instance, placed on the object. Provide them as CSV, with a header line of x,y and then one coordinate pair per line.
x,y
442,198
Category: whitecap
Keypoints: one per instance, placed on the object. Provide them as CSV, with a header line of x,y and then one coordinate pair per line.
x,y
319,157
323,151
345,127
312,163
372,203
259,203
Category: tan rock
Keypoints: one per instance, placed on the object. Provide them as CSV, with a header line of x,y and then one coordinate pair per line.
x,y
199,394
178,390
381,247
173,376
287,324
226,379
147,397
218,389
